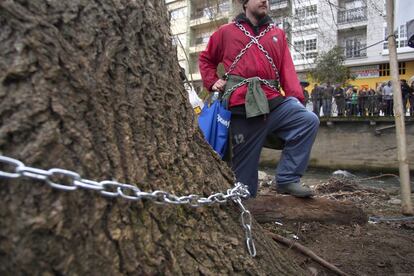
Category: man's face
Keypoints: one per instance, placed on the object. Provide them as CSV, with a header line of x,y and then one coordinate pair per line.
x,y
258,8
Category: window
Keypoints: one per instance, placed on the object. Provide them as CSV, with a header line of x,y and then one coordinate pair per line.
x,y
178,13
304,49
310,45
401,68
299,46
311,55
400,37
282,22
179,38
355,47
306,16
384,69
202,38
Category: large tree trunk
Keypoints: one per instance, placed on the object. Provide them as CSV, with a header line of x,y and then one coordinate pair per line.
x,y
93,86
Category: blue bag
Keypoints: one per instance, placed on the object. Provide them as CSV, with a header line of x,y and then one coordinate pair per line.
x,y
214,122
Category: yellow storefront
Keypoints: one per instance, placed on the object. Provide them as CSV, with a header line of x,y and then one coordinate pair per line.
x,y
370,76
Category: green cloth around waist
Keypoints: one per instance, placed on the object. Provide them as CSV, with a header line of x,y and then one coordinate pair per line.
x,y
256,102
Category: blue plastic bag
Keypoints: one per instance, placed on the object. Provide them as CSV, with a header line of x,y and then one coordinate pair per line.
x,y
214,122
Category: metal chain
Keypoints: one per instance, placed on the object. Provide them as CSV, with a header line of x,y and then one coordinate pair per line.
x,y
245,81
130,192
253,40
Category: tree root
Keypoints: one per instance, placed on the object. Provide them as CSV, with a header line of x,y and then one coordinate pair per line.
x,y
306,251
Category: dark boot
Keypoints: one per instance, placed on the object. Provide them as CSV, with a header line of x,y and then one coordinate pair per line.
x,y
295,189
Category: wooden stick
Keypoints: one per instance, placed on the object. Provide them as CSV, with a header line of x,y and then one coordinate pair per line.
x,y
406,206
306,251
378,176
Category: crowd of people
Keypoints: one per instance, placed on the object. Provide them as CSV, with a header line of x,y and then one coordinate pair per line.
x,y
339,101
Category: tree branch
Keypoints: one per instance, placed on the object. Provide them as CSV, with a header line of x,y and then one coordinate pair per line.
x,y
306,251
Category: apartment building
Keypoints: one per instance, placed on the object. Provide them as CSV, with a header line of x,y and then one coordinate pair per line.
x,y
312,27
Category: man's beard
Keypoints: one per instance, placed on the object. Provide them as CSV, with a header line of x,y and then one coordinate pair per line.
x,y
259,15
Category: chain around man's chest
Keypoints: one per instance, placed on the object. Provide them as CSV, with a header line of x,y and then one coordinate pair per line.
x,y
253,40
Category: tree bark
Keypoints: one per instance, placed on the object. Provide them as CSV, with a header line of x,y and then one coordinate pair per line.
x,y
93,87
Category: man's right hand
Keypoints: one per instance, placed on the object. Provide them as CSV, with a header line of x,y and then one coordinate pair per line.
x,y
219,85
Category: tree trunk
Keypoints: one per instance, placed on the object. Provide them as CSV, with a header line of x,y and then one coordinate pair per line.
x,y
93,87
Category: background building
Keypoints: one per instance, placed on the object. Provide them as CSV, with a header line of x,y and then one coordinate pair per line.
x,y
312,27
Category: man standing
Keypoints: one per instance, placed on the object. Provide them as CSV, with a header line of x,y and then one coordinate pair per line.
x,y
339,96
405,93
316,99
387,97
256,59
327,100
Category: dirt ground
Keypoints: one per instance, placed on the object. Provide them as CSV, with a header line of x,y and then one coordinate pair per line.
x,y
376,248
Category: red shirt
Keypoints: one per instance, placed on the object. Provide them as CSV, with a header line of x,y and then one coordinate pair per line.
x,y
227,42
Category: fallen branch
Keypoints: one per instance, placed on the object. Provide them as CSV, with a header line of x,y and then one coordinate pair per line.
x,y
306,251
266,208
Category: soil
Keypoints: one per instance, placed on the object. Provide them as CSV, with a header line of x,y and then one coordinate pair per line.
x,y
376,248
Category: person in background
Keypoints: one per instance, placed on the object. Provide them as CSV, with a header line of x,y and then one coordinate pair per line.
x,y
339,96
316,99
305,95
362,102
411,98
250,86
371,103
354,102
405,94
387,98
327,100
348,101
379,99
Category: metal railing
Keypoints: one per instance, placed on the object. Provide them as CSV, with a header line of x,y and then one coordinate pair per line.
x,y
200,41
276,3
352,15
211,12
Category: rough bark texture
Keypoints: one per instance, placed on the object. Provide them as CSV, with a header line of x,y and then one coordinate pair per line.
x,y
92,86
272,207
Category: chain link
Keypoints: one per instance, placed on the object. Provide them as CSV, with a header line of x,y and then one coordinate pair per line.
x,y
245,81
112,188
246,221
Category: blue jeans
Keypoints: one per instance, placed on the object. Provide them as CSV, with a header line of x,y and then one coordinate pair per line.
x,y
326,107
292,123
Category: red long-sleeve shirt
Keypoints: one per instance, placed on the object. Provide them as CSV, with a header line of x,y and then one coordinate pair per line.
x,y
227,42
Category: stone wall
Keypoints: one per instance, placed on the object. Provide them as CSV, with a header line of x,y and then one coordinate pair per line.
x,y
357,144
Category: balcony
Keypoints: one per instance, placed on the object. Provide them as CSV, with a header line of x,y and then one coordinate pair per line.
x,y
208,12
199,45
278,4
204,14
352,15
355,51
208,17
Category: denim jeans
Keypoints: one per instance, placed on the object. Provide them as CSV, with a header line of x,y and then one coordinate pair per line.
x,y
292,123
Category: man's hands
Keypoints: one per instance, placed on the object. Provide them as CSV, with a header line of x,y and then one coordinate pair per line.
x,y
219,85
